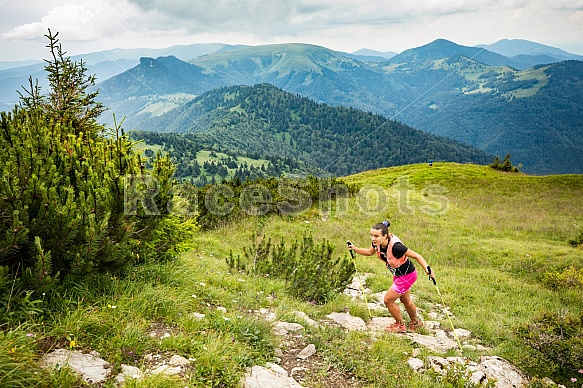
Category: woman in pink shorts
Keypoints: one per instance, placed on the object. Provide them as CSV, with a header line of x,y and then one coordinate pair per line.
x,y
390,249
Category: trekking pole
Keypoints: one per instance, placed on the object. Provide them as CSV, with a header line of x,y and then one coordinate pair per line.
x,y
348,243
446,309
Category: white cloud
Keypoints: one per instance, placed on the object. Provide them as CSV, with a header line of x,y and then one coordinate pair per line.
x,y
347,25
81,20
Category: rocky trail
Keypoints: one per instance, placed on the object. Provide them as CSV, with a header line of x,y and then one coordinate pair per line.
x,y
298,361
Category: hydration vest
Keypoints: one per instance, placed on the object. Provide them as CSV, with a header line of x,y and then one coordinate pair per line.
x,y
389,259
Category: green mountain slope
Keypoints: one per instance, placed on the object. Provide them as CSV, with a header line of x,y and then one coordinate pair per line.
x,y
541,128
463,93
266,121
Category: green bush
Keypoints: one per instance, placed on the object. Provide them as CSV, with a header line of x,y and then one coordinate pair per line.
x,y
557,343
506,165
577,241
64,183
569,277
310,271
219,205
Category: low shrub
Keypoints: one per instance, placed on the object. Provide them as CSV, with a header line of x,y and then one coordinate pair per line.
x,y
310,270
569,277
557,340
577,241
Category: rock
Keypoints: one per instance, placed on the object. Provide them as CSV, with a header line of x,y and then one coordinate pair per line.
x,y
434,315
376,306
307,352
283,328
477,377
297,369
278,352
197,315
166,370
435,343
92,369
268,314
276,368
304,317
379,323
415,364
505,374
260,377
494,368
128,372
433,326
177,360
347,321
463,333
438,364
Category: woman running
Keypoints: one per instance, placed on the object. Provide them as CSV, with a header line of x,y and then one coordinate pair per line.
x,y
390,249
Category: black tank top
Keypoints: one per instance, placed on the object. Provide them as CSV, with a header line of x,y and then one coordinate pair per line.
x,y
406,268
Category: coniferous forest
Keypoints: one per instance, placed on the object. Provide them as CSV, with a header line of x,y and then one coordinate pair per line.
x,y
291,134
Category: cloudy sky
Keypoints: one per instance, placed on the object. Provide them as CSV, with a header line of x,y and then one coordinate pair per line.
x,y
346,25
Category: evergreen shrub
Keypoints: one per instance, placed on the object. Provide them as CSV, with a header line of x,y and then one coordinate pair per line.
x,y
63,183
506,164
310,270
556,340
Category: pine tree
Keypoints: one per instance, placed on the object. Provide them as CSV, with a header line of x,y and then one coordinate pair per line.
x,y
63,186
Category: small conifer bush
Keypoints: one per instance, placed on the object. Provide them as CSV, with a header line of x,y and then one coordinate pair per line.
x,y
310,270
63,184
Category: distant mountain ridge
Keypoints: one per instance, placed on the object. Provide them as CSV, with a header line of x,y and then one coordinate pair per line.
x,y
520,47
266,121
103,64
464,93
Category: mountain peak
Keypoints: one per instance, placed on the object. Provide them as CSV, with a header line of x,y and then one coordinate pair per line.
x,y
514,47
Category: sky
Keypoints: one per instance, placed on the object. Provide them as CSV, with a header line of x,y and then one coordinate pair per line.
x,y
86,26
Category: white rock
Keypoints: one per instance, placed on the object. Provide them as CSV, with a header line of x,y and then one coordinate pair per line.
x,y
477,377
177,360
415,364
437,344
379,323
303,316
92,369
463,333
260,377
347,321
167,370
307,352
297,369
276,368
505,374
283,328
128,372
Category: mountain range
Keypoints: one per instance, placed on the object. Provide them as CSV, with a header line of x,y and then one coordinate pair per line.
x,y
265,121
527,104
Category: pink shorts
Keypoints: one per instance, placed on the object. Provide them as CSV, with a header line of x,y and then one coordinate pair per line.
x,y
402,284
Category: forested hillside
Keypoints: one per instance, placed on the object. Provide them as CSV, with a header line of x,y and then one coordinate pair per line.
x,y
467,94
269,123
542,130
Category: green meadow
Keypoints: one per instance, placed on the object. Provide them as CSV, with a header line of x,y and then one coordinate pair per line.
x,y
498,243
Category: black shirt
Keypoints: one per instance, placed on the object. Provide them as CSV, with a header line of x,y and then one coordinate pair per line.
x,y
406,268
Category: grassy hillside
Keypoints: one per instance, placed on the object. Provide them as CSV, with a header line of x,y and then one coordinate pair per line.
x,y
490,236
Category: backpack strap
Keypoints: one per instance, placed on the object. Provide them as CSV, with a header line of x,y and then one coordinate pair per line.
x,y
392,261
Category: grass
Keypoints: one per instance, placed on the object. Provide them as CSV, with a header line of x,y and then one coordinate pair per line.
x,y
490,237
